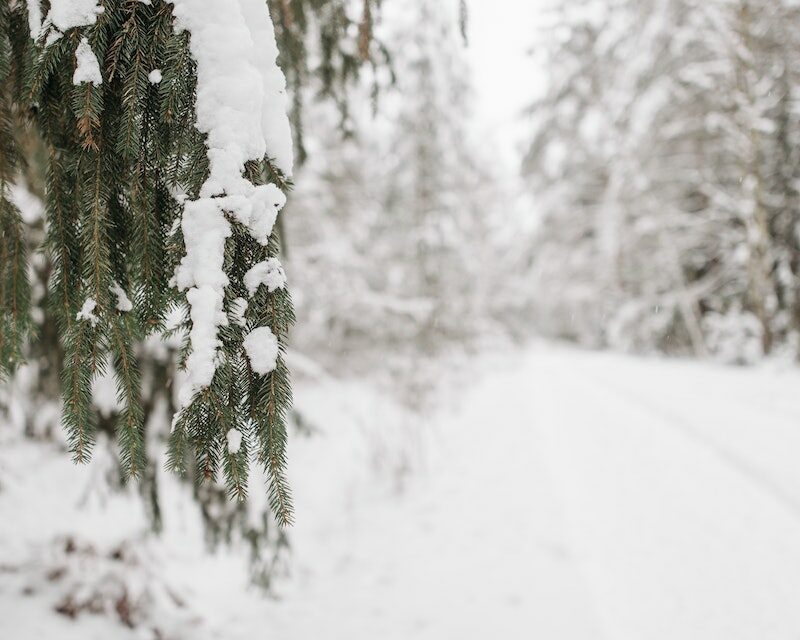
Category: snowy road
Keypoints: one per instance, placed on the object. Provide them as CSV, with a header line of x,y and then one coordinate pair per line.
x,y
579,496
562,495
680,486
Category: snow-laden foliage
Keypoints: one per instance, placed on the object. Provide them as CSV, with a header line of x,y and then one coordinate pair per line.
x,y
241,107
165,135
664,160
324,47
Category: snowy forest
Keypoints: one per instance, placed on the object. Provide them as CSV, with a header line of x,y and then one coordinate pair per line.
x,y
399,319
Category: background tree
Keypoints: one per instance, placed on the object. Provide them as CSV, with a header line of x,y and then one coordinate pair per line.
x,y
404,188
678,129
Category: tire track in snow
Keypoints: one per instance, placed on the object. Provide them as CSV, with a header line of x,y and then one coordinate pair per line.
x,y
680,424
675,541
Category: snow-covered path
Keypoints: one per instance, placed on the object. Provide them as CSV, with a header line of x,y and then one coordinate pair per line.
x,y
680,483
474,547
579,496
561,495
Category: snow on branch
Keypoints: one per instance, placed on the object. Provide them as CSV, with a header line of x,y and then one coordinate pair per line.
x,y
241,107
269,272
87,69
67,14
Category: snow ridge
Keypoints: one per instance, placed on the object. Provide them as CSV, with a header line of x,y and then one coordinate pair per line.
x,y
241,106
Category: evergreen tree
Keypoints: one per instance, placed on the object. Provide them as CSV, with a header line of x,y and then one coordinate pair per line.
x,y
157,350
322,32
15,321
433,186
111,90
325,46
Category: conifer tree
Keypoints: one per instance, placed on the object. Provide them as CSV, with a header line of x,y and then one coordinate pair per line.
x,y
325,45
15,319
433,183
112,89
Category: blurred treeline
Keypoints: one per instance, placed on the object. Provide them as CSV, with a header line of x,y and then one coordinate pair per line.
x,y
390,232
665,162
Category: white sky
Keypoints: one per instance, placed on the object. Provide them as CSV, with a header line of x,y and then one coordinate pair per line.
x,y
505,77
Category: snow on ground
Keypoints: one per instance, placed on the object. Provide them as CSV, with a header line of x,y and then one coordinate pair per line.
x,y
679,492
561,494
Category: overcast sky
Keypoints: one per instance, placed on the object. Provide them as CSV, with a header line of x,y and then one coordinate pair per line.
x,y
505,77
